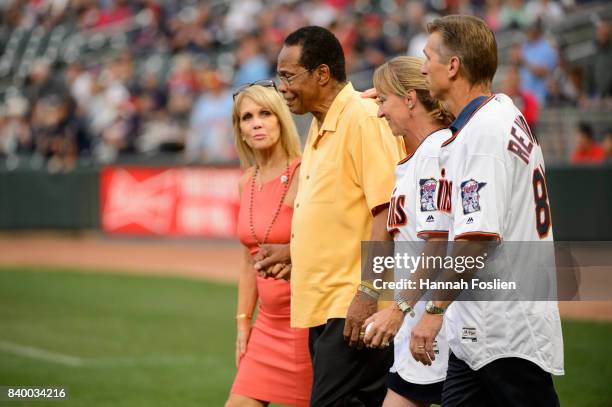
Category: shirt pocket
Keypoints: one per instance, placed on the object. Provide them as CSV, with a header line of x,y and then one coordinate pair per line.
x,y
325,184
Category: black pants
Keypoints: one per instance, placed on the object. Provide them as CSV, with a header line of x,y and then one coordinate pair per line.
x,y
345,376
506,382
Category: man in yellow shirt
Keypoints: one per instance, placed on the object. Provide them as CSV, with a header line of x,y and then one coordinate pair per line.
x,y
346,179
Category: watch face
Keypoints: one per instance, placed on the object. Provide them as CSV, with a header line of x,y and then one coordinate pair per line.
x,y
405,308
432,309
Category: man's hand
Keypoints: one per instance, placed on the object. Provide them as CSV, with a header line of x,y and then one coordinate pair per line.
x,y
369,94
360,309
279,271
382,327
423,337
269,256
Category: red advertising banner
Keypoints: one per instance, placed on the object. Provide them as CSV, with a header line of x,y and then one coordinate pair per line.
x,y
175,202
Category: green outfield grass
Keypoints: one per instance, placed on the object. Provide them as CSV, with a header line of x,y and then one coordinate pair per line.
x,y
124,340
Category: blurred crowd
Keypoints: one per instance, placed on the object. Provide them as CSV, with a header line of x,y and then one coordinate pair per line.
x,y
123,101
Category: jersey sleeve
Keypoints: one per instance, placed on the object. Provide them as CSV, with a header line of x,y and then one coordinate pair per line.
x,y
480,197
430,222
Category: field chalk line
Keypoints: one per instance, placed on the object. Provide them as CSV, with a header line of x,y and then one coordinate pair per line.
x,y
41,354
75,361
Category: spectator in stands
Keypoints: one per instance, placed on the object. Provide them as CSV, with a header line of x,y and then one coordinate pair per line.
x,y
183,74
240,18
587,151
121,133
15,133
345,29
522,98
151,37
151,92
491,14
513,15
549,11
371,44
417,35
192,29
210,127
564,85
321,13
54,132
10,14
158,130
78,82
108,112
537,59
114,14
42,83
252,63
599,74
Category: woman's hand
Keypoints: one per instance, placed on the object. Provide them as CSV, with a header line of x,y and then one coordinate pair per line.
x,y
243,333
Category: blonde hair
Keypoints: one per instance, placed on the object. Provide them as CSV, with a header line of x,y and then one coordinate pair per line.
x,y
270,99
472,41
402,74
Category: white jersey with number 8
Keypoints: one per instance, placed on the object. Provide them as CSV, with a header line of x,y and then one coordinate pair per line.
x,y
492,170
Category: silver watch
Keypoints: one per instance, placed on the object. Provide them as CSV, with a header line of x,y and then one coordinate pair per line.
x,y
405,307
430,308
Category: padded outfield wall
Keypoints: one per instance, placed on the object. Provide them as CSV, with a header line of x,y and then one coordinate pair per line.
x,y
202,202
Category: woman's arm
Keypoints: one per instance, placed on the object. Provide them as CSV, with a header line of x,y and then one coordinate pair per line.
x,y
247,294
247,298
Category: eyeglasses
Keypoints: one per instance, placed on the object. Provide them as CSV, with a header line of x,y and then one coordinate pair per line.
x,y
288,79
266,83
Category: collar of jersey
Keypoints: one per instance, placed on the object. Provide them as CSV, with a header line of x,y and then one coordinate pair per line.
x,y
466,113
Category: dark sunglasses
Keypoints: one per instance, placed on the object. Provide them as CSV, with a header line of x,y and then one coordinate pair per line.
x,y
266,83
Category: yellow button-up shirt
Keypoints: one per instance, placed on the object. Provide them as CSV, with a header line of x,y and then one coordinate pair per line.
x,y
347,171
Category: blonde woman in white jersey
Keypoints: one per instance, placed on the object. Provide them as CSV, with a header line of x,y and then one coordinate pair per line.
x,y
413,114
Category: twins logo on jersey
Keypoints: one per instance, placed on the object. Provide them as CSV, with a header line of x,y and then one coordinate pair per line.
x,y
428,192
444,193
397,215
470,196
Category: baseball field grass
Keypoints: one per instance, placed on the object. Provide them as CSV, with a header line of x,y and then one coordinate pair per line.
x,y
123,340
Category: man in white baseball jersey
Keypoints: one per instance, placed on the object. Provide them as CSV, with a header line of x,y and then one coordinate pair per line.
x,y
502,353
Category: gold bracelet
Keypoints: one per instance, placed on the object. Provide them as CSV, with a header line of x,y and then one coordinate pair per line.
x,y
243,316
368,291
370,285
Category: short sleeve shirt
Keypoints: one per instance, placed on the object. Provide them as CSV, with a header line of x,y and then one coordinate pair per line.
x,y
347,172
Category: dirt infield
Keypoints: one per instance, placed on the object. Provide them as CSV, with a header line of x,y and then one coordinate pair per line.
x,y
197,259
218,261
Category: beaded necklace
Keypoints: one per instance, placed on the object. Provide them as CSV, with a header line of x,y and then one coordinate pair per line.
x,y
285,181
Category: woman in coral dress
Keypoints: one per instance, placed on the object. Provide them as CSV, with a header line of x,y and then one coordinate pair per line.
x,y
272,359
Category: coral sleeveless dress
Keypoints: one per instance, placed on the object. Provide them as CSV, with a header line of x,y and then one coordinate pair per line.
x,y
276,366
